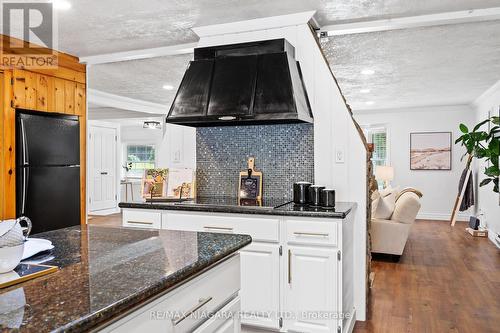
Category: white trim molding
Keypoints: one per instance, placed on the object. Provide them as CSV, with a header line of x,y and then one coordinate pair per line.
x,y
443,217
259,24
464,16
105,99
485,95
139,54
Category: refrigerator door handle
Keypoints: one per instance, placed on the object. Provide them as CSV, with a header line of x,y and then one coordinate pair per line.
x,y
25,159
24,190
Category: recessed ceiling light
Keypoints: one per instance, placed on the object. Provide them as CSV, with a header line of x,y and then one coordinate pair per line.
x,y
61,4
152,125
364,91
168,87
367,72
370,103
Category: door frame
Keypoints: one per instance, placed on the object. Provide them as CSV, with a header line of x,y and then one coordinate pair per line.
x,y
118,152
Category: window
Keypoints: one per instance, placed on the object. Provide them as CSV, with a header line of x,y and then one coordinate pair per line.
x,y
379,141
379,137
140,157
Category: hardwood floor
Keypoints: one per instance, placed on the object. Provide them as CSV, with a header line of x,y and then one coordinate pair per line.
x,y
446,281
108,220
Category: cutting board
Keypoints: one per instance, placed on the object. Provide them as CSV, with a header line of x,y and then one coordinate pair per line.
x,y
250,184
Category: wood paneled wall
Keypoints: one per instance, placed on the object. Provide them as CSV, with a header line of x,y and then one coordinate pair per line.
x,y
61,90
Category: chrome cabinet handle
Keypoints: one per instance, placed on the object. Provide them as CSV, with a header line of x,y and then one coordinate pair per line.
x,y
218,228
195,308
312,234
289,267
140,222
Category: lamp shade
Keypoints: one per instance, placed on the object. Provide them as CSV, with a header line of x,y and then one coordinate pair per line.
x,y
384,173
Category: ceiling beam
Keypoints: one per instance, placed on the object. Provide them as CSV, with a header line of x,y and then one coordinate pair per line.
x,y
103,99
139,54
465,16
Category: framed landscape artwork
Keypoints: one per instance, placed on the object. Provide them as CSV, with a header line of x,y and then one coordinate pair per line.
x,y
430,151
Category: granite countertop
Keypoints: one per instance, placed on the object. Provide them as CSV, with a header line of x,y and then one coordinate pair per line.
x,y
232,205
105,271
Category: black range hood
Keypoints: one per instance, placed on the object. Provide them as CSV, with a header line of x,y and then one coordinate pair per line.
x,y
242,84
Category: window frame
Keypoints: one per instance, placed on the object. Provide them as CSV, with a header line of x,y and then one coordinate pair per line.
x,y
126,145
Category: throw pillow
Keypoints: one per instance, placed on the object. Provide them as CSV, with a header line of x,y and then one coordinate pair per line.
x,y
384,207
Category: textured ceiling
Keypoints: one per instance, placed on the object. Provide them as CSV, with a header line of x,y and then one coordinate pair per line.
x,y
451,64
141,79
95,26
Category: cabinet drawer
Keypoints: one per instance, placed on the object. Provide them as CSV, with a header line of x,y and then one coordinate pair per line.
x,y
137,218
316,232
227,320
260,228
186,307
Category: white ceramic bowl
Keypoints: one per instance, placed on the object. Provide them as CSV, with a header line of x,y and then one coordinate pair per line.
x,y
10,257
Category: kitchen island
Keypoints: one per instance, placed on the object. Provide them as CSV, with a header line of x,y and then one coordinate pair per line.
x,y
115,279
298,273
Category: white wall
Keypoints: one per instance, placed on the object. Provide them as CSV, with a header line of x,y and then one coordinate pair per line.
x,y
488,200
333,127
440,188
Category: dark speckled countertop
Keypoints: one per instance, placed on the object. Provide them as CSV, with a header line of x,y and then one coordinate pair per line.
x,y
232,205
105,271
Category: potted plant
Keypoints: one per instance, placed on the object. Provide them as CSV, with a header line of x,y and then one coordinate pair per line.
x,y
483,144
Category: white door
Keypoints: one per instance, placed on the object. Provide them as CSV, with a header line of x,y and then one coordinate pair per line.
x,y
260,292
102,168
311,290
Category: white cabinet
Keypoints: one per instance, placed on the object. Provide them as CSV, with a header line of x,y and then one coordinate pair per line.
x,y
141,218
260,261
260,287
311,289
187,307
296,275
227,320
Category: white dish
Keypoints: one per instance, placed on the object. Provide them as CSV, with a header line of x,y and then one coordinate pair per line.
x,y
36,245
10,257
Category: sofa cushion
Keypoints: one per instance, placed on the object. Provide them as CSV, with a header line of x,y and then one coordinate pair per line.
x,y
407,207
383,207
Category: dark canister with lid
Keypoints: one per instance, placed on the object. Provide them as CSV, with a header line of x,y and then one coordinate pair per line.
x,y
300,192
315,195
328,198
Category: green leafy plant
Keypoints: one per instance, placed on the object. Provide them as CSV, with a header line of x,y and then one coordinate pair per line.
x,y
483,144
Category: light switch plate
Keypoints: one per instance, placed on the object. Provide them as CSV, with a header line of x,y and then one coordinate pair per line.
x,y
339,156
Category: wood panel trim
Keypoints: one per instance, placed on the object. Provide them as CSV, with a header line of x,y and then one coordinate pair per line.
x,y
8,183
64,60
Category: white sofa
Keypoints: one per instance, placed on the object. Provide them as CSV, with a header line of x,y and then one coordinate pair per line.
x,y
389,236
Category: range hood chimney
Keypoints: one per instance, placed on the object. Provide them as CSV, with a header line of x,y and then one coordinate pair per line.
x,y
242,84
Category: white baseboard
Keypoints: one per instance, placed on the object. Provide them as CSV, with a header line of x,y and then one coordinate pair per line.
x,y
349,326
104,212
492,237
442,217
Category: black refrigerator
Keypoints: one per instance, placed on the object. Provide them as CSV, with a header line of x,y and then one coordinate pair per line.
x,y
48,169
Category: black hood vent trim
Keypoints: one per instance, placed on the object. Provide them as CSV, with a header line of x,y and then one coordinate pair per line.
x,y
242,84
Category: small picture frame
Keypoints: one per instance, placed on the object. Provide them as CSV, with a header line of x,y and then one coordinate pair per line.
x,y
430,151
154,184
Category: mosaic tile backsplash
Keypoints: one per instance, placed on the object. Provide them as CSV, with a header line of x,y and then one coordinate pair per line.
x,y
284,154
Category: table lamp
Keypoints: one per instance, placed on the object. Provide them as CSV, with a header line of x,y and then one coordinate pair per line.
x,y
384,173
